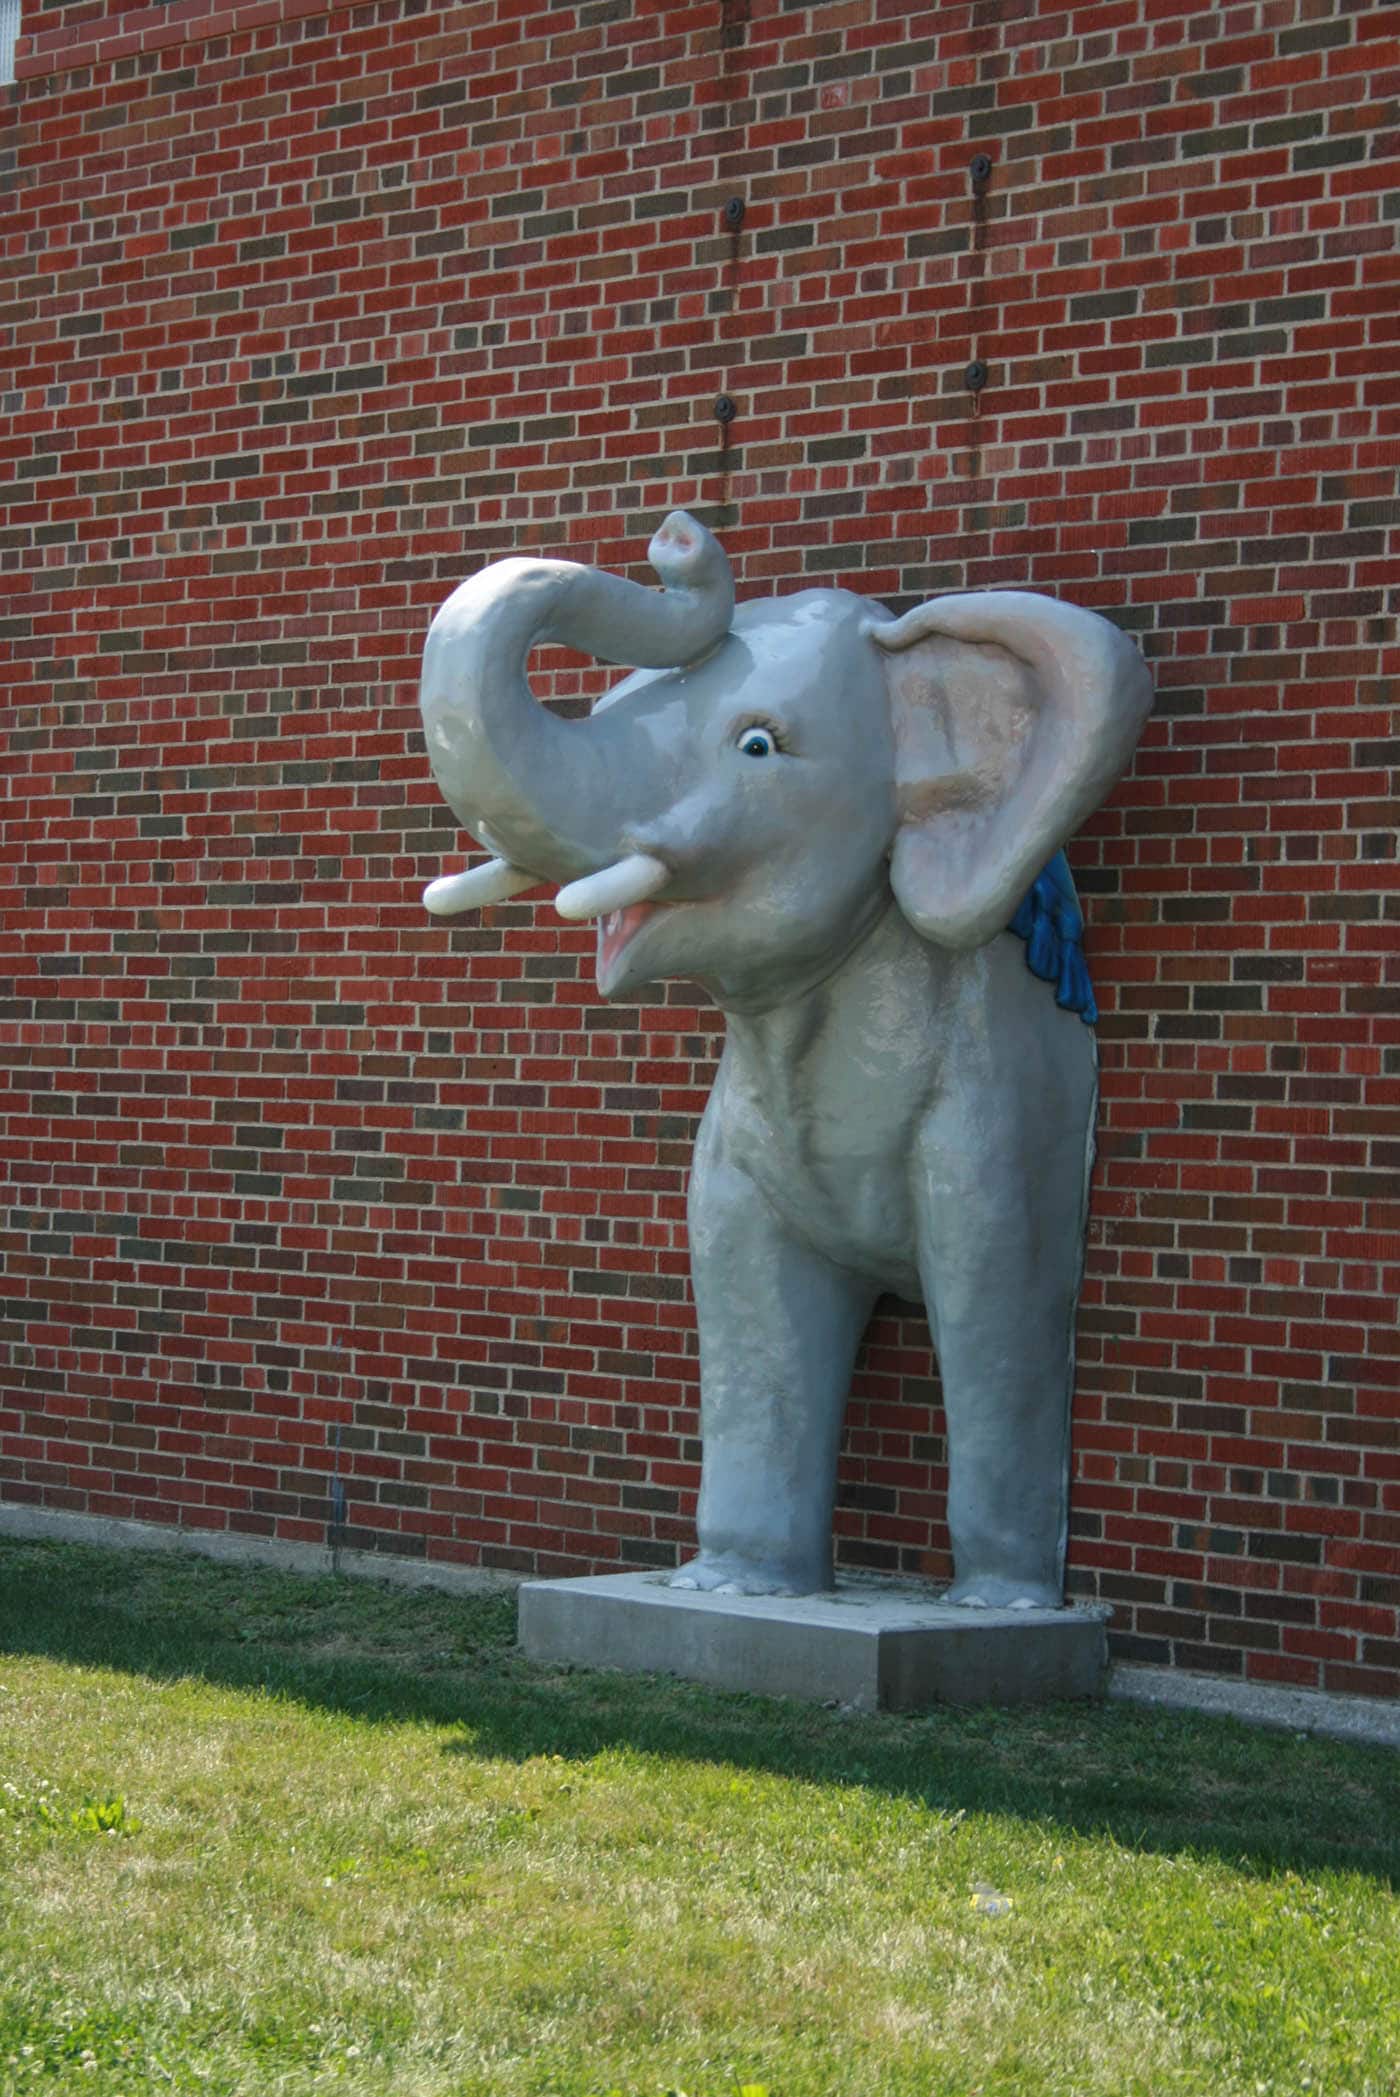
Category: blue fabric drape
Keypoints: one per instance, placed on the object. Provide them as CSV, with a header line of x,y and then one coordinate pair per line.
x,y
1052,925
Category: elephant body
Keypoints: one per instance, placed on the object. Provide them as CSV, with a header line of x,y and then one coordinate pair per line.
x,y
922,1122
829,817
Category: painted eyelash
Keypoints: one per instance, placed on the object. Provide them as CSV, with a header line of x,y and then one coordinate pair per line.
x,y
742,727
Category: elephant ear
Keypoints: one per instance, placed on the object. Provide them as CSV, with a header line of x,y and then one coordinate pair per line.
x,y
1013,716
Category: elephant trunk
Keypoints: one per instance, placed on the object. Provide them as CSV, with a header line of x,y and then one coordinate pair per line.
x,y
548,794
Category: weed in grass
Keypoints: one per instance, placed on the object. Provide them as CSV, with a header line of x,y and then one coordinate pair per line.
x,y
746,2089
95,1816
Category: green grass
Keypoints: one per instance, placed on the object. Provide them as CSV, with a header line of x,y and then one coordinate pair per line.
x,y
265,1834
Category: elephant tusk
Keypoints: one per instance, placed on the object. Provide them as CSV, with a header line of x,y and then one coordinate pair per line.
x,y
491,882
630,880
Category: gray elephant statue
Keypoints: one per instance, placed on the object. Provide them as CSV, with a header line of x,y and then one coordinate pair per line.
x,y
838,822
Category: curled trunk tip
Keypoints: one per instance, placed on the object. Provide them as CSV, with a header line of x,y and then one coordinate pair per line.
x,y
549,791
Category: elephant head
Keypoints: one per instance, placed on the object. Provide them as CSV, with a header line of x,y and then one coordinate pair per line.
x,y
739,810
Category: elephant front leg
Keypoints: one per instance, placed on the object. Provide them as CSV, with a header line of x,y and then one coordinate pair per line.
x,y
779,1328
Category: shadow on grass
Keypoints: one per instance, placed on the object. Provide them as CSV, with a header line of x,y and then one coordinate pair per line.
x,y
375,1654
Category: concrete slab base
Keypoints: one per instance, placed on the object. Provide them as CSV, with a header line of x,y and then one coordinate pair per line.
x,y
868,1645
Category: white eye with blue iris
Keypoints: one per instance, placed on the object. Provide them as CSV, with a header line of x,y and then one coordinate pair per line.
x,y
757,742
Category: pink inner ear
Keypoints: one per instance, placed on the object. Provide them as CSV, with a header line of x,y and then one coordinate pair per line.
x,y
959,707
964,717
939,876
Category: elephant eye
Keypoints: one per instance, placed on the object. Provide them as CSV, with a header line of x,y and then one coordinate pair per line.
x,y
757,742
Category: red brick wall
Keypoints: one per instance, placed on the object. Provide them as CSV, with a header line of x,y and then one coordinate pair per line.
x,y
311,312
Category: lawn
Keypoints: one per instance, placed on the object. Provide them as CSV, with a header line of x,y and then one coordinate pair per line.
x,y
264,1833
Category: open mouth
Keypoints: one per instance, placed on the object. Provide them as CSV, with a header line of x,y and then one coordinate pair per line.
x,y
617,930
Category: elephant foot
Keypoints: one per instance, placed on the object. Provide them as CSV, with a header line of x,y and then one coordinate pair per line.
x,y
989,1593
727,1573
